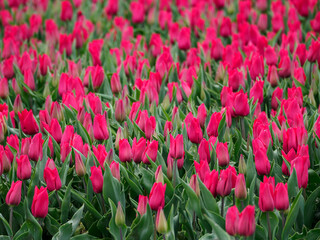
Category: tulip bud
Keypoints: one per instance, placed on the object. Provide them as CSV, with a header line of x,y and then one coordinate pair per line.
x,y
115,83
125,131
100,128
120,114
241,189
119,136
17,105
40,203
194,184
157,196
166,102
159,175
232,219
281,198
247,223
222,154
14,194
115,170
52,178
80,168
4,88
120,218
142,204
125,153
96,179
24,167
266,202
161,222
35,150
170,168
202,114
242,165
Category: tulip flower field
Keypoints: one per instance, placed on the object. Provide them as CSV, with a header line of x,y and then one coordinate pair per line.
x,y
160,119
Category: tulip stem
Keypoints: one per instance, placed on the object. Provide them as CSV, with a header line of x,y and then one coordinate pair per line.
x,y
120,232
283,219
194,220
164,237
269,226
155,227
84,185
58,199
222,206
310,73
11,215
24,188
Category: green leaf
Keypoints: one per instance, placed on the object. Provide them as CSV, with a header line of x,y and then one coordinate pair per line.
x,y
6,225
64,169
68,229
293,213
274,221
309,213
221,234
193,198
89,206
293,184
208,200
65,206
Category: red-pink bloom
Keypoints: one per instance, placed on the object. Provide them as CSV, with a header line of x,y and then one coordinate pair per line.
x,y
24,167
150,151
138,148
211,181
266,196
176,150
35,150
4,88
52,178
13,196
142,204
281,198
202,114
40,203
184,39
115,170
232,220
66,11
137,11
157,196
100,128
96,179
247,223
203,151
125,153
212,128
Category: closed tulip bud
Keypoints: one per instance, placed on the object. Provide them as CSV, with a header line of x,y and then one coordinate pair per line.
x,y
138,149
142,204
125,153
314,51
66,11
176,150
4,88
281,198
35,150
202,114
100,128
120,218
13,197
115,170
24,167
25,145
241,189
284,65
170,167
167,128
262,162
96,179
52,178
4,159
137,10
80,168
40,203
203,151
150,151
223,154
120,114
159,175
211,181
256,66
157,196
150,125
247,222
232,220
194,184
224,185
273,77
115,83
266,196
194,131
109,157
29,80
27,122
212,128
184,39
161,222
17,105
241,104
242,165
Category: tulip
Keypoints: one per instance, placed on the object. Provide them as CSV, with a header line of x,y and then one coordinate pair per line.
x,y
271,56
52,179
5,165
225,28
138,149
115,170
224,184
256,92
100,128
120,114
212,128
314,51
284,65
24,167
29,80
202,114
120,219
240,104
211,182
55,130
194,184
80,168
150,151
96,179
262,162
44,64
300,164
25,145
125,153
194,131
203,151
157,196
115,83
167,128
281,198
246,223
202,169
235,79
240,188
142,204
4,88
150,125
232,220
161,222
66,11
159,175
95,48
40,203
112,7
257,66
223,154
176,150
35,150
184,39
28,123
13,196
266,197
137,10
